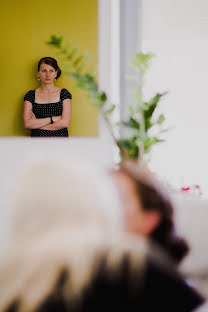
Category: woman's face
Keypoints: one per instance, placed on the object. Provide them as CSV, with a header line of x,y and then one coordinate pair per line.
x,y
133,211
47,73
137,219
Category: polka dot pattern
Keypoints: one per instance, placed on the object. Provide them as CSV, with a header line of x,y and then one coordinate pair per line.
x,y
47,110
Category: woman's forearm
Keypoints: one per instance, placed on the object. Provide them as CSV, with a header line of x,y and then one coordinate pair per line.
x,y
36,123
56,125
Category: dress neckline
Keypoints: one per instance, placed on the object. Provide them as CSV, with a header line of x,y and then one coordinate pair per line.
x,y
48,103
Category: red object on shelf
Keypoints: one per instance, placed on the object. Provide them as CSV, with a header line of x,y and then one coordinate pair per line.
x,y
185,189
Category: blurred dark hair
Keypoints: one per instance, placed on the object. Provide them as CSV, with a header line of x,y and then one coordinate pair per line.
x,y
154,197
52,62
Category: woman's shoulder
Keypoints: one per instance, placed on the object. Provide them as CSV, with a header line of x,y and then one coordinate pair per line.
x,y
29,96
173,287
30,92
65,94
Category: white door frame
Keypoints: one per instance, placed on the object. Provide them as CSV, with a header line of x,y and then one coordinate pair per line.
x,y
119,38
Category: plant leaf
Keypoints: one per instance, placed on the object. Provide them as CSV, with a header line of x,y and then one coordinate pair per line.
x,y
55,41
161,119
131,123
110,110
130,146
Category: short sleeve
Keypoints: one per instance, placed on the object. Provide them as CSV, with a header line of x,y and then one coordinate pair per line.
x,y
30,96
65,94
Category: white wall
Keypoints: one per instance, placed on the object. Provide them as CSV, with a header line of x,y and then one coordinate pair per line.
x,y
177,32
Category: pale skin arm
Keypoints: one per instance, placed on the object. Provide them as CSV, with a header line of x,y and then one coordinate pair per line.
x,y
31,122
64,120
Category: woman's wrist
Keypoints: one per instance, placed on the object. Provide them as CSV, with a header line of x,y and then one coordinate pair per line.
x,y
56,118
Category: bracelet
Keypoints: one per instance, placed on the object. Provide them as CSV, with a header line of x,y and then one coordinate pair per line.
x,y
52,120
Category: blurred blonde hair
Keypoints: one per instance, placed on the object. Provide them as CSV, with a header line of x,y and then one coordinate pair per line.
x,y
66,214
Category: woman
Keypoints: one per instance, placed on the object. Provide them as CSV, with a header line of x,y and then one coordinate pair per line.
x,y
148,210
47,110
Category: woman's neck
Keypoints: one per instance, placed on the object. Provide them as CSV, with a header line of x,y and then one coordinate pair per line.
x,y
47,88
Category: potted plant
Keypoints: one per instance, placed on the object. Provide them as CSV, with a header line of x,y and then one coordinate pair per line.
x,y
140,122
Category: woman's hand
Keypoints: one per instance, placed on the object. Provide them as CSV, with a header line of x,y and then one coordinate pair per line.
x,y
31,115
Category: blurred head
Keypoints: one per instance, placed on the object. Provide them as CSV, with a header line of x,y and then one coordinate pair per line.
x,y
65,212
138,219
148,209
48,69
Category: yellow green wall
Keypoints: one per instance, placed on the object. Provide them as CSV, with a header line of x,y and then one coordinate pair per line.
x,y
25,27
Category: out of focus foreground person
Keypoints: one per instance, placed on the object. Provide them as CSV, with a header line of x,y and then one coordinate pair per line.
x,y
148,209
67,249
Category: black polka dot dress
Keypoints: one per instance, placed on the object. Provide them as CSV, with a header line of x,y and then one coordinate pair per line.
x,y
48,110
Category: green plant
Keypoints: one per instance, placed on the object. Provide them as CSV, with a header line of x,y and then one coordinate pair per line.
x,y
140,122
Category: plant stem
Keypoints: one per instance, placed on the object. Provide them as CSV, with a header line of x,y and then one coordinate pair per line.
x,y
142,124
109,128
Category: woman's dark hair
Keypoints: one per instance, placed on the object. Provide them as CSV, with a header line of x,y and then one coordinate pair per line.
x,y
52,62
154,198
